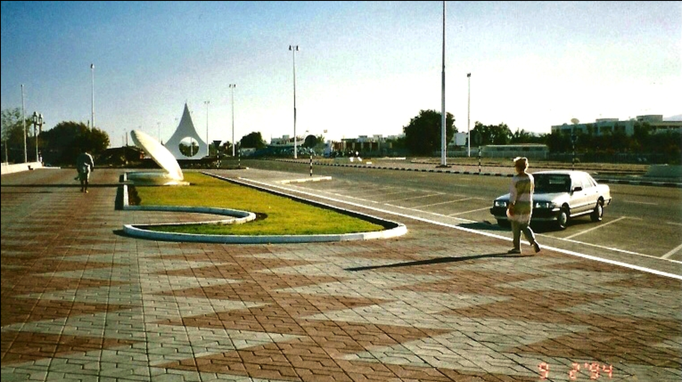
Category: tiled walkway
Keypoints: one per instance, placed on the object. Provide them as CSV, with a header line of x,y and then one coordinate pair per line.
x,y
80,301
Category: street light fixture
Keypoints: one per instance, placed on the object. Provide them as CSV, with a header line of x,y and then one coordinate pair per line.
x,y
23,122
37,122
92,71
469,117
294,49
443,137
232,86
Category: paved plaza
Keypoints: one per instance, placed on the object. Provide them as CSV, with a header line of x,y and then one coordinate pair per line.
x,y
81,301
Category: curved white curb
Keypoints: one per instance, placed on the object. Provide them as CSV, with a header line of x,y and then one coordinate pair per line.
x,y
239,217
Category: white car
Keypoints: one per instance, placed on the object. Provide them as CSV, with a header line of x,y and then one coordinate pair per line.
x,y
560,196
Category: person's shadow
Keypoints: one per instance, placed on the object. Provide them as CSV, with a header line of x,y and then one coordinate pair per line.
x,y
438,260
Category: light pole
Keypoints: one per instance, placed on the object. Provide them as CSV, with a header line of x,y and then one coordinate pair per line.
x,y
232,86
294,49
469,117
23,121
37,121
158,128
206,103
92,72
443,135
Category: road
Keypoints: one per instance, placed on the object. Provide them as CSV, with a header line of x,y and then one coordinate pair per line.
x,y
642,227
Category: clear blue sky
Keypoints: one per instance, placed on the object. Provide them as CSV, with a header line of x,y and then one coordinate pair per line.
x,y
363,68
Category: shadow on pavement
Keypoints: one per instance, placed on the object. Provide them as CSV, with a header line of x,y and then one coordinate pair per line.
x,y
438,260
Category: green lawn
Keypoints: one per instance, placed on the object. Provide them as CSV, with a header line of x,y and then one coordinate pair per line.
x,y
276,215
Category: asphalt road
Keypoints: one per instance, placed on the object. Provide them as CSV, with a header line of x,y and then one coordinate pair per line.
x,y
642,226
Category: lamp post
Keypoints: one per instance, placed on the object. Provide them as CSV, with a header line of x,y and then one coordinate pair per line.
x,y
443,135
232,86
158,128
23,121
206,103
469,117
37,121
92,72
294,49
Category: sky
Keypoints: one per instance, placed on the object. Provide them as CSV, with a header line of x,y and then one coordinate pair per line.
x,y
362,68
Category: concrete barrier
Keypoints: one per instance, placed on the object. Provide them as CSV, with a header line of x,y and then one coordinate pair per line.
x,y
12,168
664,171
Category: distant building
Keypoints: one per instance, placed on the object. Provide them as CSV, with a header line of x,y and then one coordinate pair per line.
x,y
610,125
285,142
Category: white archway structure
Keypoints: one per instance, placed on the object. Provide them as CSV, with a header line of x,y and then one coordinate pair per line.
x,y
186,130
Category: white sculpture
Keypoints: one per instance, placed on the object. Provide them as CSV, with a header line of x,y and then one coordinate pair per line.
x,y
159,154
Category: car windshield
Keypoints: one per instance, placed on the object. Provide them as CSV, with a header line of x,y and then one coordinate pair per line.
x,y
551,183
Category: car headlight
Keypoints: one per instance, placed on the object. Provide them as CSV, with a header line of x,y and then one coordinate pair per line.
x,y
544,205
500,203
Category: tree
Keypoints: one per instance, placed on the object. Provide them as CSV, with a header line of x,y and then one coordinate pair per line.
x,y
310,141
253,140
423,134
493,134
522,136
13,134
63,143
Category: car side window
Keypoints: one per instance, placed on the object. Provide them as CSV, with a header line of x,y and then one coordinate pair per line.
x,y
588,182
577,182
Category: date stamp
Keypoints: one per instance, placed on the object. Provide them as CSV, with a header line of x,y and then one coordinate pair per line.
x,y
579,371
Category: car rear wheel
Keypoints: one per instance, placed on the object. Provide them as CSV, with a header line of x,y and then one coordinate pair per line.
x,y
598,212
562,219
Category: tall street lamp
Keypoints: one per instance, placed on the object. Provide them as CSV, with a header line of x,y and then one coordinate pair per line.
x,y
206,103
294,49
23,121
232,86
92,72
443,135
469,117
37,122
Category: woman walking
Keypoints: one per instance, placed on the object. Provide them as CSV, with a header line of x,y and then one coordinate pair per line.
x,y
520,206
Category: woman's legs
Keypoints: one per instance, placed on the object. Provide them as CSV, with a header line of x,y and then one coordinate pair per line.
x,y
516,231
528,233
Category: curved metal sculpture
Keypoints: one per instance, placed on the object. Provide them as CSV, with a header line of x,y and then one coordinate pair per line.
x,y
159,154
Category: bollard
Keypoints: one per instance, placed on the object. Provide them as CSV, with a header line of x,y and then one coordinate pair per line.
x,y
479,160
239,159
311,165
573,161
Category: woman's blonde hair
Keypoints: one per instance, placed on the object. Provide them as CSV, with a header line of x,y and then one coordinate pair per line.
x,y
521,163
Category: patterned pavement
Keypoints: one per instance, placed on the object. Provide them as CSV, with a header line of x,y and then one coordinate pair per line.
x,y
83,302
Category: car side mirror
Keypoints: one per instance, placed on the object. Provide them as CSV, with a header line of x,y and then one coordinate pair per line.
x,y
577,188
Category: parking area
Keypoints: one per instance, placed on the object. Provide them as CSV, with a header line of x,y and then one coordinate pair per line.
x,y
620,234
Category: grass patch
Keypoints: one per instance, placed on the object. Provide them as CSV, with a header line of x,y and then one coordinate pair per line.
x,y
277,215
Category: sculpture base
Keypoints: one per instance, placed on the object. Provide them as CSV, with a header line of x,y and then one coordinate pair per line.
x,y
154,178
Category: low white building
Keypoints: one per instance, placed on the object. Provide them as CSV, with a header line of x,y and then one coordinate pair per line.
x,y
611,125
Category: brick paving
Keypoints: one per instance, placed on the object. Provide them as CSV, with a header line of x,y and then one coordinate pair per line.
x,y
83,302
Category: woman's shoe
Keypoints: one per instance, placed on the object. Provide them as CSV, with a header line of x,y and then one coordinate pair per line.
x,y
514,250
536,247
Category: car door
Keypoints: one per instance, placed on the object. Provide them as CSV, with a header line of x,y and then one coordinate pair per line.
x,y
591,192
583,191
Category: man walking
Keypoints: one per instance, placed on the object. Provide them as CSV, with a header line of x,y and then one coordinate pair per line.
x,y
85,165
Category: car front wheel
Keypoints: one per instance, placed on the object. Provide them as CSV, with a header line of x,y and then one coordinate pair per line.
x,y
598,212
562,219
